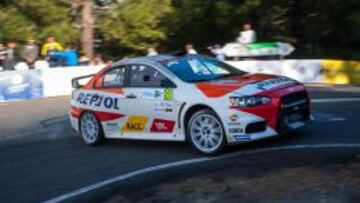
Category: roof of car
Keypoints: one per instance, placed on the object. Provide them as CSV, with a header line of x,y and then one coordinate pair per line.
x,y
156,58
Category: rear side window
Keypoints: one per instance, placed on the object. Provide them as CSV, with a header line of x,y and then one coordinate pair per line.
x,y
146,76
114,77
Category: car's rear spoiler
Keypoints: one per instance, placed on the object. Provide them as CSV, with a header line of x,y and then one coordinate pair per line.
x,y
75,81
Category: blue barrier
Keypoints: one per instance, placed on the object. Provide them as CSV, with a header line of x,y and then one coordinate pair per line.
x,y
21,85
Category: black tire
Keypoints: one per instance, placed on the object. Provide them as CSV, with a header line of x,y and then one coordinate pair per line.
x,y
205,135
92,137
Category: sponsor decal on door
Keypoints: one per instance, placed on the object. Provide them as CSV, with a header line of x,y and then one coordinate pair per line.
x,y
135,124
160,125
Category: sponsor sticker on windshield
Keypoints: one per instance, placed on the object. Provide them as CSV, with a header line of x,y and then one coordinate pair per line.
x,y
199,68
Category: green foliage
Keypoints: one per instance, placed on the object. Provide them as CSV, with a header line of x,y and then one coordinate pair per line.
x,y
135,25
20,19
128,27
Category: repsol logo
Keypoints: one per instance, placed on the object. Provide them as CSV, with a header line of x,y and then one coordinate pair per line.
x,y
268,84
90,99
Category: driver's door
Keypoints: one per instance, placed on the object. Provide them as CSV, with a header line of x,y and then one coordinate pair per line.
x,y
152,108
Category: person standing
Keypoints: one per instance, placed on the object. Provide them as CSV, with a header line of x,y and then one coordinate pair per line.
x,y
98,60
151,51
69,57
248,35
51,45
10,59
190,49
83,60
2,56
217,52
30,52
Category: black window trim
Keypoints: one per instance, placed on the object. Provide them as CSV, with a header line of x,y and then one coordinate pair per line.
x,y
129,77
126,82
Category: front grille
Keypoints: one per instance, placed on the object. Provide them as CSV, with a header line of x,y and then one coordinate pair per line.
x,y
294,108
255,127
294,97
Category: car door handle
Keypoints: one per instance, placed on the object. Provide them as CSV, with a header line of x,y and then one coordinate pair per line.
x,y
131,96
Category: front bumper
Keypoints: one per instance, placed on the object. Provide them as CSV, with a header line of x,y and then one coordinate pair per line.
x,y
287,112
267,133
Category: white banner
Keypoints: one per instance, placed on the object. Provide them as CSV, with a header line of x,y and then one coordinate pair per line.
x,y
307,71
57,81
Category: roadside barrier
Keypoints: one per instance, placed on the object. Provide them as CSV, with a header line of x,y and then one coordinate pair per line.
x,y
323,71
39,83
49,82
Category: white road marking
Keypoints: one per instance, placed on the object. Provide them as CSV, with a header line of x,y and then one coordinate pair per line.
x,y
331,100
325,117
125,176
337,119
55,120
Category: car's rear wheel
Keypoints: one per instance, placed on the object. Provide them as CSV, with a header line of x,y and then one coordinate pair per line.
x,y
206,133
90,129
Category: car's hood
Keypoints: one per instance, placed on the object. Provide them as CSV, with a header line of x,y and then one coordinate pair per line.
x,y
248,84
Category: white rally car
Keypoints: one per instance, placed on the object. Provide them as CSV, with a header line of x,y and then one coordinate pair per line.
x,y
189,98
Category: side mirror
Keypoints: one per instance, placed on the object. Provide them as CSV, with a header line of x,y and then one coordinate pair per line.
x,y
75,81
75,84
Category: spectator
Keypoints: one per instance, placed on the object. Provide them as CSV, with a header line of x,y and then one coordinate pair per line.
x,y
51,46
2,55
217,52
152,51
10,59
248,35
98,60
69,57
84,60
190,49
30,52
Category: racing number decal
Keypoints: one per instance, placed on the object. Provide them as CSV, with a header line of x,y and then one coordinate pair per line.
x,y
135,124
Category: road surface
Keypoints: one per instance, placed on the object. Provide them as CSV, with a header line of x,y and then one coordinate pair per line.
x,y
43,164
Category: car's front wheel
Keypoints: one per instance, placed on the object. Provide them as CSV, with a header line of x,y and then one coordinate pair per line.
x,y
90,129
206,133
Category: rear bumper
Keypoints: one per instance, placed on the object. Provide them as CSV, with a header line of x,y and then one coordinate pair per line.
x,y
74,122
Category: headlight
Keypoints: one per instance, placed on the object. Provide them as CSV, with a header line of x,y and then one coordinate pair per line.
x,y
249,101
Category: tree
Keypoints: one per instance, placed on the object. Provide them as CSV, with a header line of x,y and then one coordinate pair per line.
x,y
20,19
128,27
134,25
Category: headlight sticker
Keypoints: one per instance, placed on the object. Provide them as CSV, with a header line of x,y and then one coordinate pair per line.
x,y
248,101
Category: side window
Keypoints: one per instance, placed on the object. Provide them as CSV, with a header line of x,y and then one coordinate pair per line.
x,y
114,77
147,76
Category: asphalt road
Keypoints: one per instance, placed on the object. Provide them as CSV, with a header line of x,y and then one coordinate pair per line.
x,y
47,163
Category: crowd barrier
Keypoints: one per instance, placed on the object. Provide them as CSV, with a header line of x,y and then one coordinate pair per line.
x,y
39,83
307,71
48,82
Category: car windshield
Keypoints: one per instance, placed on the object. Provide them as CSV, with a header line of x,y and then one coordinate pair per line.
x,y
196,69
